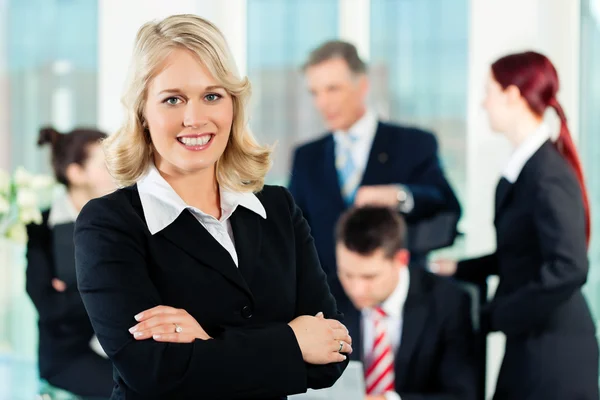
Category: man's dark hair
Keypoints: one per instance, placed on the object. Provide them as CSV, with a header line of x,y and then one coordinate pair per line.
x,y
337,49
364,230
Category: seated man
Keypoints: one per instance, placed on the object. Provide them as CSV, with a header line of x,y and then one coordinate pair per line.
x,y
411,329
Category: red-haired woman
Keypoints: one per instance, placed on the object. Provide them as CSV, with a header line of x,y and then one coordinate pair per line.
x,y
542,221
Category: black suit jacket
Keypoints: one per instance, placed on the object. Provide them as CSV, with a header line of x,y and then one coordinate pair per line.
x,y
541,260
64,327
399,155
435,360
123,269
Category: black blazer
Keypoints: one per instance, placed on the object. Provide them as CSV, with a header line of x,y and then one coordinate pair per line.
x,y
435,360
64,327
541,260
123,269
399,155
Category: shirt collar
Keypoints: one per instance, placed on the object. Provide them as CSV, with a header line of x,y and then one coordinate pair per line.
x,y
362,129
162,205
62,211
393,306
525,151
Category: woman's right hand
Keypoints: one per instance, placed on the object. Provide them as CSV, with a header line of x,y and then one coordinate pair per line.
x,y
319,339
443,267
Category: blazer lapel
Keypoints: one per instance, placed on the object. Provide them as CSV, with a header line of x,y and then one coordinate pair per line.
x,y
413,322
378,158
247,235
191,237
330,176
502,191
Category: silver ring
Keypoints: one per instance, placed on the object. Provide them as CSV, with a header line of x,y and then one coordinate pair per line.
x,y
341,346
178,329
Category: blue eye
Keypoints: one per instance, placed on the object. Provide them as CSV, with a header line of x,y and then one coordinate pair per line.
x,y
212,97
172,101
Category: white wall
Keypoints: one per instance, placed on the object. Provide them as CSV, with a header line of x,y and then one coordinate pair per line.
x,y
499,27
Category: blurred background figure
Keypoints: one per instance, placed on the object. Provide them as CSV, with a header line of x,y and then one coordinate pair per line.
x,y
66,358
542,223
411,329
362,160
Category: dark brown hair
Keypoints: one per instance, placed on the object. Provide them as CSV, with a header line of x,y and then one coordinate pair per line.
x,y
68,148
337,49
365,230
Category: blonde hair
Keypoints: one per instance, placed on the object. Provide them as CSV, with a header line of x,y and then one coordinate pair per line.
x,y
244,163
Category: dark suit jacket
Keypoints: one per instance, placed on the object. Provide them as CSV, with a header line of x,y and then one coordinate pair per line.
x,y
123,269
435,360
64,327
541,259
399,155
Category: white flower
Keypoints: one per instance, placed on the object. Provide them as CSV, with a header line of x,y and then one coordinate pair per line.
x,y
29,215
41,182
26,198
4,181
17,233
4,205
22,177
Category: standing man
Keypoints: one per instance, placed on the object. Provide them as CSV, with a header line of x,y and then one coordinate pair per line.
x,y
362,160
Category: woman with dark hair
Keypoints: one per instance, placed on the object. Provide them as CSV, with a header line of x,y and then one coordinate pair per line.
x,y
542,221
66,359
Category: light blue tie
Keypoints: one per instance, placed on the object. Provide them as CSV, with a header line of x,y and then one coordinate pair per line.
x,y
348,174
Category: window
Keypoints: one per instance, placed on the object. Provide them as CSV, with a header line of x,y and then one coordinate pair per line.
x,y
589,138
418,69
281,33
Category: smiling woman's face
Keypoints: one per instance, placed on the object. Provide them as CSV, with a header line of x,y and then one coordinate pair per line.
x,y
189,115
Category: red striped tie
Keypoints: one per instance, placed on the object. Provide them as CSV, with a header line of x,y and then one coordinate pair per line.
x,y
379,376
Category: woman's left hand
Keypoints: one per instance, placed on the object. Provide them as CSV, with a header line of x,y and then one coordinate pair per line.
x,y
167,324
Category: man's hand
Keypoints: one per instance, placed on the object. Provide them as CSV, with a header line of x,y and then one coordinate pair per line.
x,y
379,195
59,285
378,397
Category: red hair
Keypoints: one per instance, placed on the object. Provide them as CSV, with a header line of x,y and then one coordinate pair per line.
x,y
536,78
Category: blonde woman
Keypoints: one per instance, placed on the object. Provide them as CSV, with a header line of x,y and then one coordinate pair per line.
x,y
201,282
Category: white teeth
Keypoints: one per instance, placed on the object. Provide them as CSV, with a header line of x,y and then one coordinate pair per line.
x,y
195,141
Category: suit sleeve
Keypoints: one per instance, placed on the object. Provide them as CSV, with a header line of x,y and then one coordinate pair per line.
x,y
114,281
560,226
313,294
50,304
477,270
456,374
430,190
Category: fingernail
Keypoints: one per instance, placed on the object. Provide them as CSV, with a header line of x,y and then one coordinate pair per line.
x,y
137,334
156,336
139,316
319,314
344,357
133,329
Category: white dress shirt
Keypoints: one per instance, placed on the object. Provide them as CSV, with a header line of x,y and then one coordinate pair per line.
x,y
62,210
525,151
162,205
394,309
364,131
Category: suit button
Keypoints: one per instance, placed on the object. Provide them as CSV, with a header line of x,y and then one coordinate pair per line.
x,y
247,312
